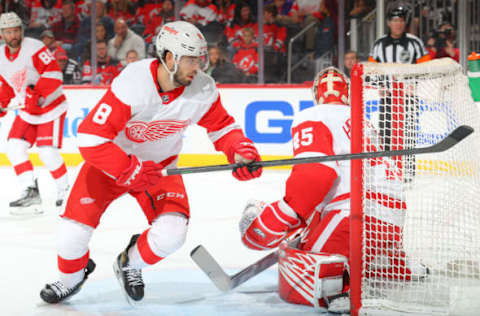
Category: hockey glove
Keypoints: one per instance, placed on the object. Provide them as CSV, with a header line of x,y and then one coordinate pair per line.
x,y
140,175
245,153
31,100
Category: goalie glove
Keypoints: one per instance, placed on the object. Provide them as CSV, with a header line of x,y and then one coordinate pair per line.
x,y
140,175
263,226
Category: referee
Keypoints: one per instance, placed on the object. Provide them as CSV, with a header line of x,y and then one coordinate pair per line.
x,y
398,113
398,46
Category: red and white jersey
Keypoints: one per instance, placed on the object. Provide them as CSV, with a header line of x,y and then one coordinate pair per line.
x,y
325,130
34,64
199,14
133,117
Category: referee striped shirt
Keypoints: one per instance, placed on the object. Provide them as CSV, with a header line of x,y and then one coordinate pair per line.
x,y
407,49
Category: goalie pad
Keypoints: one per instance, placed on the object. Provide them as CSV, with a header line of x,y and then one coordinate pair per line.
x,y
309,278
264,226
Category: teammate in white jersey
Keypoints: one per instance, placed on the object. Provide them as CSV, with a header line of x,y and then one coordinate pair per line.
x,y
31,77
317,198
133,133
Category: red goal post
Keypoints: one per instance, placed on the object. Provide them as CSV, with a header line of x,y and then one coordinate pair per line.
x,y
415,220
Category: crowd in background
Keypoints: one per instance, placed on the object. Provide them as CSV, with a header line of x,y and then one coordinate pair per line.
x,y
125,32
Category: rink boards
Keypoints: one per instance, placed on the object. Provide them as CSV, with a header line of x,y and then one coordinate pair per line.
x,y
264,112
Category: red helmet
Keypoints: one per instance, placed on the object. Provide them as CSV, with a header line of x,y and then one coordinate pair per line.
x,y
330,86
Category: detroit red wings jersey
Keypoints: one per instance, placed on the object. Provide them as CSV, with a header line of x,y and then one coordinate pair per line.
x,y
133,117
325,130
34,65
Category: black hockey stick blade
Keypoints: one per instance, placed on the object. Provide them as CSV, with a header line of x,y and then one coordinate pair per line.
x,y
222,280
449,141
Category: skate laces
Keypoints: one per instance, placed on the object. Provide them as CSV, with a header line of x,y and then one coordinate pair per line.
x,y
60,289
134,276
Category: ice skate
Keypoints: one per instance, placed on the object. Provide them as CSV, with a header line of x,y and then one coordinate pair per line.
x,y
130,279
29,204
57,292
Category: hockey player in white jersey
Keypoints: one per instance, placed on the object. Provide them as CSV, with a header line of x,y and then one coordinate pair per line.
x,y
317,199
30,77
133,133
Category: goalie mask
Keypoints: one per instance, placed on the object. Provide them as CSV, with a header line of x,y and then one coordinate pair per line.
x,y
331,87
181,39
310,278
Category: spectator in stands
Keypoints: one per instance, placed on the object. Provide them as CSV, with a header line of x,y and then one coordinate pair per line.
x,y
48,39
44,13
225,11
246,56
243,18
85,26
349,59
157,19
199,12
131,57
221,69
70,68
326,30
274,33
324,13
441,44
100,35
82,8
361,8
283,10
66,30
107,68
124,9
125,40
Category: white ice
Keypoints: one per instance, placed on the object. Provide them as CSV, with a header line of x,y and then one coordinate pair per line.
x,y
175,286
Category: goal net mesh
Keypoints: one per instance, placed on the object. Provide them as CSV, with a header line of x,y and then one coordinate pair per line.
x,y
421,214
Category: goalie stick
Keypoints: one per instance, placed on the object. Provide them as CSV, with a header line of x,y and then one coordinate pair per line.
x,y
449,141
220,278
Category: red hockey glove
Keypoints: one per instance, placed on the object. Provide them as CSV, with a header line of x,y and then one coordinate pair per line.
x,y
31,100
244,153
140,175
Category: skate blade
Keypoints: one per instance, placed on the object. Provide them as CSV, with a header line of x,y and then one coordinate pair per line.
x,y
32,210
118,274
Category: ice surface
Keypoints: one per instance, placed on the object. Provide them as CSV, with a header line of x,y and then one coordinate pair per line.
x,y
174,286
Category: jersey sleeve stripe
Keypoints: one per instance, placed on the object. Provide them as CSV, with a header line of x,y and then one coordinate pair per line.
x,y
52,75
89,140
216,135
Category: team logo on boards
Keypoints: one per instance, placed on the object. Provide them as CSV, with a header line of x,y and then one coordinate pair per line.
x,y
140,132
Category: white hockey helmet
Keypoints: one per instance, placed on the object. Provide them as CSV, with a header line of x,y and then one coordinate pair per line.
x,y
181,39
10,19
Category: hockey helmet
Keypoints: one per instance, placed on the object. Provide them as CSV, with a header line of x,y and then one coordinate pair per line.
x,y
400,10
9,19
331,86
181,39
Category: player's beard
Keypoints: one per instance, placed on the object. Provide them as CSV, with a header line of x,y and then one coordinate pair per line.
x,y
14,42
181,80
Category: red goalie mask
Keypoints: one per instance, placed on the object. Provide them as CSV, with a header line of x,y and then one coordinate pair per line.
x,y
330,87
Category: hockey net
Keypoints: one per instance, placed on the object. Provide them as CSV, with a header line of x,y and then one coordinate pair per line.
x,y
415,225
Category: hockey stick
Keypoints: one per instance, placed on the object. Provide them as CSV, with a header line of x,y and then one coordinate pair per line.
x,y
451,140
222,280
12,108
